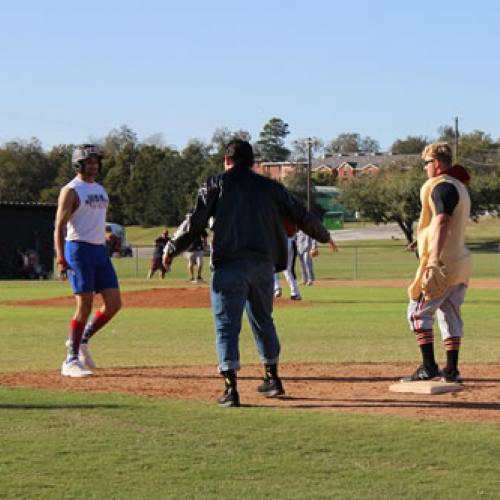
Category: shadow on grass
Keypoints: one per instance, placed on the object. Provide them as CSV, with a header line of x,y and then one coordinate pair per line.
x,y
381,403
188,376
21,406
292,378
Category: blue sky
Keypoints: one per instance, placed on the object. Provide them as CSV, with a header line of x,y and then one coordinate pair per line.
x,y
71,70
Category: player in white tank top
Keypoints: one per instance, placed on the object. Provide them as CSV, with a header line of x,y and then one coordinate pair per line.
x,y
88,221
81,252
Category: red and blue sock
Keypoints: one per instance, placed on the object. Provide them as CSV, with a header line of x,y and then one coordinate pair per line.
x,y
75,337
93,326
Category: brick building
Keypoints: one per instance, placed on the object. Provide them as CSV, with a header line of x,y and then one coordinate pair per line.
x,y
341,166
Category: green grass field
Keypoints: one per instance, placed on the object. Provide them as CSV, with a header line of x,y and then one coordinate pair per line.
x,y
66,445
74,445
487,229
377,259
85,445
364,260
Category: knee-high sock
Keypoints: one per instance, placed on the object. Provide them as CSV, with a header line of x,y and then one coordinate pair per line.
x,y
452,346
426,342
97,322
75,337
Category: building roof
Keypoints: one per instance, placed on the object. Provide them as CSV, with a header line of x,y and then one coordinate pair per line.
x,y
360,160
283,163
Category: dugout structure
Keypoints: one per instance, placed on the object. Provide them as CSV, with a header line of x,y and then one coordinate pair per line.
x,y
327,197
26,240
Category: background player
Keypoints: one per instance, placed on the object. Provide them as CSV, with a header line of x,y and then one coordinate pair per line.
x,y
289,273
156,261
195,257
307,248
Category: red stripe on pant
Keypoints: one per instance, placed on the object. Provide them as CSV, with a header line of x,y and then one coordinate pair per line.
x,y
417,324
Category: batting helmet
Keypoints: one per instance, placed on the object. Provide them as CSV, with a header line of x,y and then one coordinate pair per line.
x,y
82,152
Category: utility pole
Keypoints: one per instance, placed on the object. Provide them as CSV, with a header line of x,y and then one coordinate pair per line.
x,y
310,142
455,145
309,165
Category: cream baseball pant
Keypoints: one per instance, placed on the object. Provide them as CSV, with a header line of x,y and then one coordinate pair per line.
x,y
446,309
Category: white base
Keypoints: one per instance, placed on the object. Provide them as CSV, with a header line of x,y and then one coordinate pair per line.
x,y
426,387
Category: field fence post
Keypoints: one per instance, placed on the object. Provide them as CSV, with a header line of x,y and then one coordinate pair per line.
x,y
136,261
355,263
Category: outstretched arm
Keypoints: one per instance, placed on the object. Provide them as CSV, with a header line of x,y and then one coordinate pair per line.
x,y
333,246
195,223
297,213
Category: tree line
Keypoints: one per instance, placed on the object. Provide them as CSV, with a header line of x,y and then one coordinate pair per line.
x,y
151,183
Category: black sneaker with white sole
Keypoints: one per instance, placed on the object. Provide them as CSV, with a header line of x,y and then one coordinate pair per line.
x,y
271,388
451,375
230,398
423,373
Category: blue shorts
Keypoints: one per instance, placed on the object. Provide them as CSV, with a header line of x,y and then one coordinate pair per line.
x,y
91,268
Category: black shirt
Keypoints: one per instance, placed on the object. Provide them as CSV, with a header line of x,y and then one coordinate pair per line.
x,y
249,210
445,197
198,244
159,246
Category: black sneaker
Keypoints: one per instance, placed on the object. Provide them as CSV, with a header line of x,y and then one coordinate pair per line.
x,y
271,388
230,398
422,373
451,375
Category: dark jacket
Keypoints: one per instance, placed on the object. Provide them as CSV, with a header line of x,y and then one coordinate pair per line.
x,y
249,210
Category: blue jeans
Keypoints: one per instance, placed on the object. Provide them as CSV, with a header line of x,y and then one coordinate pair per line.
x,y
237,285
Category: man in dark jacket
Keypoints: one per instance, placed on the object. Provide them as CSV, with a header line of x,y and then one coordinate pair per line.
x,y
249,243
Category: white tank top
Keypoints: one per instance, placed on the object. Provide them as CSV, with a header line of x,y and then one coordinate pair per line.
x,y
88,221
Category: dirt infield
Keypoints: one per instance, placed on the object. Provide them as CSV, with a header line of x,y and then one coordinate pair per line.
x,y
199,296
346,388
162,298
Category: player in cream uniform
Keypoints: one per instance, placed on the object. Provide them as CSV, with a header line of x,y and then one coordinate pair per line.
x,y
83,258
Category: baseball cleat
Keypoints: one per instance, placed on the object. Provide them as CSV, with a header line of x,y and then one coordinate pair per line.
x,y
451,376
295,297
271,388
277,293
74,369
423,373
230,398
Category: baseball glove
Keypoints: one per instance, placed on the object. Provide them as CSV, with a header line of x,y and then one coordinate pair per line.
x,y
435,281
314,252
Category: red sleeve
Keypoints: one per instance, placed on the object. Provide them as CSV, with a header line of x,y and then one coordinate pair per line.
x,y
290,228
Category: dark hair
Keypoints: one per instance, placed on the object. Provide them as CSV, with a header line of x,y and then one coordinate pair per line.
x,y
240,152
